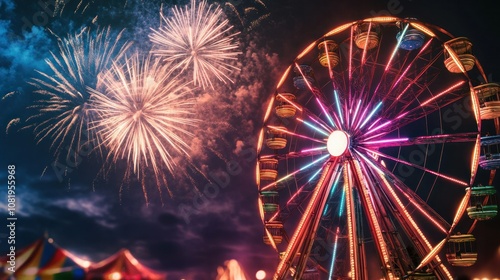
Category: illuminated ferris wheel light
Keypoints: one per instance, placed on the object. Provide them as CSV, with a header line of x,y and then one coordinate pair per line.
x,y
337,143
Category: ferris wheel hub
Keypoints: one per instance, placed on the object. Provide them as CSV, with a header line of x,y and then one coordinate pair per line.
x,y
337,143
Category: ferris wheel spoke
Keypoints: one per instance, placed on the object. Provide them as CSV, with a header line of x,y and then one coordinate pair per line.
x,y
289,175
306,228
388,64
297,198
404,191
449,178
277,128
425,108
423,245
404,73
399,95
365,188
421,140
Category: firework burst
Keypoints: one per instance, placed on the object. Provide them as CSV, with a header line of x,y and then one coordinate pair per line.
x,y
144,114
62,111
196,38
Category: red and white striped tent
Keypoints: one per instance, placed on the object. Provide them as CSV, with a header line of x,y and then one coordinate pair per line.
x,y
44,260
122,265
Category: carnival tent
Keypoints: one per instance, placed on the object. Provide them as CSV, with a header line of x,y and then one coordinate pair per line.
x,y
44,260
122,265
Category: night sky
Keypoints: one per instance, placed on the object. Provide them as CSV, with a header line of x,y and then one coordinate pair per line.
x,y
93,212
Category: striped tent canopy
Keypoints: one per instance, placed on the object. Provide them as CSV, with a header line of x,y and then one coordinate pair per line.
x,y
45,260
122,265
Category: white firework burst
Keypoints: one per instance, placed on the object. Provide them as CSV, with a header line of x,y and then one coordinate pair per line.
x,y
197,38
144,114
62,104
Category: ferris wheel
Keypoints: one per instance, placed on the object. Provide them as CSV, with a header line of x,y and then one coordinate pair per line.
x,y
370,150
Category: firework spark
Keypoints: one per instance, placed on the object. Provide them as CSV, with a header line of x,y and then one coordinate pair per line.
x,y
196,38
63,108
144,114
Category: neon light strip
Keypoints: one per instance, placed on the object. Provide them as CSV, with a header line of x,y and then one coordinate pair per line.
x,y
303,76
326,113
337,103
408,68
306,50
365,192
363,57
328,129
423,29
295,134
356,111
351,223
290,102
378,127
397,47
334,255
306,219
414,203
338,29
282,80
453,56
295,172
412,222
350,58
330,71
475,158
313,127
334,186
402,209
374,123
385,141
418,166
371,114
383,19
313,149
314,175
269,108
442,93
342,203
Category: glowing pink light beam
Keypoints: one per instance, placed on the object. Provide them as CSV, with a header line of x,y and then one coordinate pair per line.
x,y
290,102
330,68
363,57
417,166
313,149
355,113
385,141
442,93
401,115
378,127
408,68
374,123
303,76
411,199
326,113
294,134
